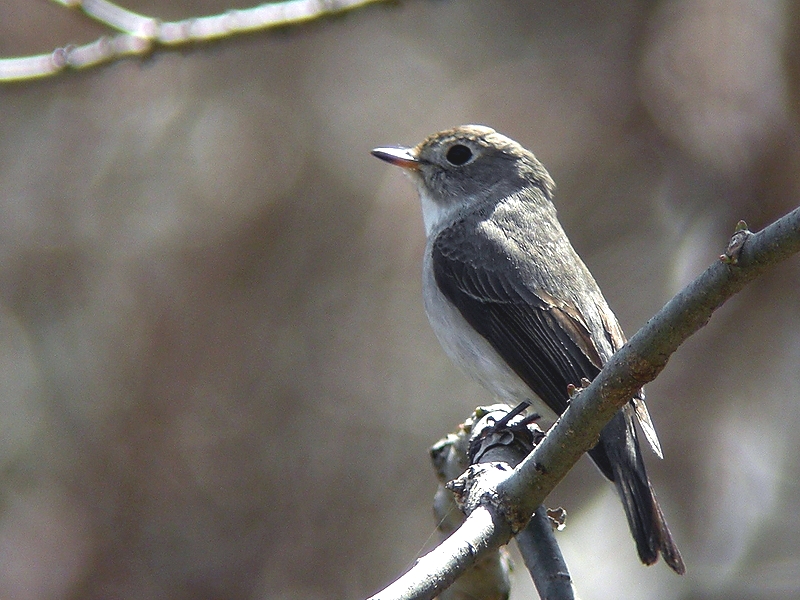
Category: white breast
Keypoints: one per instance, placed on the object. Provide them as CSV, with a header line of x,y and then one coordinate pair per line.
x,y
471,352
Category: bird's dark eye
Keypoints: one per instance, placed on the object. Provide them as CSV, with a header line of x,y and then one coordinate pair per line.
x,y
458,155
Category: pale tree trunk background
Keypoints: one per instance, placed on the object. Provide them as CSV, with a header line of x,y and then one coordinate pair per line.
x,y
217,377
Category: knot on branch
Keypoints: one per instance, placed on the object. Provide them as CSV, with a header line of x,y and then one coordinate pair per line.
x,y
735,245
477,486
496,441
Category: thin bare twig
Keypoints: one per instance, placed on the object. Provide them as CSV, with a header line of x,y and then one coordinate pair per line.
x,y
543,558
139,35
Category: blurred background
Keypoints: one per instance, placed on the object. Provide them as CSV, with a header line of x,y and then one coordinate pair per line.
x,y
216,376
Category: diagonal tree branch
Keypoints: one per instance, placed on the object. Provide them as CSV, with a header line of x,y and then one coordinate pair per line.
x,y
516,494
646,354
139,35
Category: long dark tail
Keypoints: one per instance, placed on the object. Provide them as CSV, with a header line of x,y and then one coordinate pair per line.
x,y
620,459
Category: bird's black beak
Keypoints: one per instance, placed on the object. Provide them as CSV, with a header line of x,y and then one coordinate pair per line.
x,y
399,156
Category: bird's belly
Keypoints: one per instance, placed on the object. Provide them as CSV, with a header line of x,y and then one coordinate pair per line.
x,y
474,355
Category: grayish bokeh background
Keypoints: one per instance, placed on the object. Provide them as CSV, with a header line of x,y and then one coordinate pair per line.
x,y
216,377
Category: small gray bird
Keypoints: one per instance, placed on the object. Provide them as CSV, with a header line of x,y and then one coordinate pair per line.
x,y
513,304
